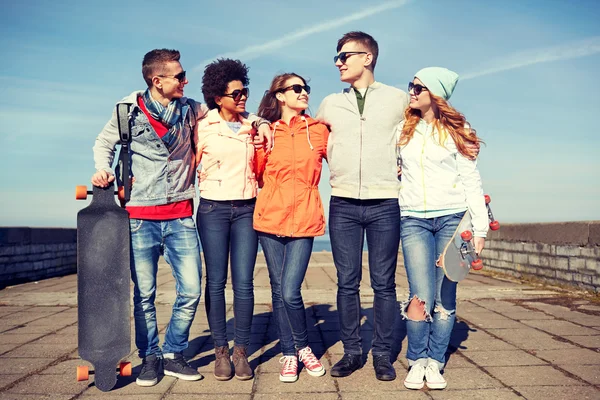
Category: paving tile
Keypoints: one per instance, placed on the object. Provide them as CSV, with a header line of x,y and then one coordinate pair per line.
x,y
589,373
11,338
558,392
7,379
503,358
14,396
210,385
559,328
475,394
269,383
31,350
531,376
469,378
294,396
405,394
96,394
44,384
205,396
22,366
592,342
572,356
482,345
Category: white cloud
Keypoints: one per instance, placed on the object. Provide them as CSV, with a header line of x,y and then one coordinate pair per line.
x,y
580,48
255,51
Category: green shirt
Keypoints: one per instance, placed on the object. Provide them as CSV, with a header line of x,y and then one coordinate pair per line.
x,y
360,100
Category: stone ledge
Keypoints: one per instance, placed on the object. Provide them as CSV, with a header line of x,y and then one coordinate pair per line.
x,y
25,235
581,233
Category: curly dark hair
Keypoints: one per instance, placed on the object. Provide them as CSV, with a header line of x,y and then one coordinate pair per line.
x,y
217,76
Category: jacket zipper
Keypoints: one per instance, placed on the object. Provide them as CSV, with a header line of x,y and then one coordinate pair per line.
x,y
294,182
362,119
423,172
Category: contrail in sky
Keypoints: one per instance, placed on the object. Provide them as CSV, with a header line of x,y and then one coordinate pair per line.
x,y
580,48
255,51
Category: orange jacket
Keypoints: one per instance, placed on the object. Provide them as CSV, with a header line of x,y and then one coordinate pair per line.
x,y
289,203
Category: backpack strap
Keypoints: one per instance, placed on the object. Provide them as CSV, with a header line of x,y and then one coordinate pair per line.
x,y
124,140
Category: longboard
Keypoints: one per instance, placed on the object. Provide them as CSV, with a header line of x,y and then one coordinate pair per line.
x,y
103,287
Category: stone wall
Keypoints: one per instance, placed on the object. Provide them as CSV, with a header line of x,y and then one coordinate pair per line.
x,y
30,254
559,253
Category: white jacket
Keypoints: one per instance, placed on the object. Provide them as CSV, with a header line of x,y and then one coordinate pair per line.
x,y
436,177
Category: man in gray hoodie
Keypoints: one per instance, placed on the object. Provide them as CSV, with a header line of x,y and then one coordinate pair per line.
x,y
364,198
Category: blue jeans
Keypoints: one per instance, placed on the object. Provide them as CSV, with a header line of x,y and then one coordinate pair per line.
x,y
349,219
423,241
287,260
225,229
177,241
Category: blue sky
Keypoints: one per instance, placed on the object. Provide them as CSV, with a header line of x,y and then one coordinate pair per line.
x,y
529,84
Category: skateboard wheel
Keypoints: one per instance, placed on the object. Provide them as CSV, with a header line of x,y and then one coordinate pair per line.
x,y
125,368
477,265
80,192
121,193
488,200
83,373
494,225
466,236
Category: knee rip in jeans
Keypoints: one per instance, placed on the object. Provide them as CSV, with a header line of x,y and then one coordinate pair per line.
x,y
415,309
443,313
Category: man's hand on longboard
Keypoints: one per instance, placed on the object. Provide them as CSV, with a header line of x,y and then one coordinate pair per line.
x,y
102,178
478,243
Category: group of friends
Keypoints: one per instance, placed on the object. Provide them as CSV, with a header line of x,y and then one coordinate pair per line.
x,y
403,168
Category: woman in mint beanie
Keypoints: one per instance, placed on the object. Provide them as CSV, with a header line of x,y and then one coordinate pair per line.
x,y
440,182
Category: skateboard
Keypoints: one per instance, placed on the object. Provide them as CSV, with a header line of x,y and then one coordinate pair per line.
x,y
459,255
103,287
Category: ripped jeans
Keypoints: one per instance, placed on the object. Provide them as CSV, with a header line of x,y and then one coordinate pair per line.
x,y
423,240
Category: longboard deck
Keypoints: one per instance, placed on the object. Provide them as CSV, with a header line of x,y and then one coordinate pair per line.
x,y
455,262
103,286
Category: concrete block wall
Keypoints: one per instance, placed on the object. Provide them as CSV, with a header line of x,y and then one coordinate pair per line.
x,y
30,254
565,253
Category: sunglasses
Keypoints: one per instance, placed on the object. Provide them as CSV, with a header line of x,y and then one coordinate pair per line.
x,y
237,94
343,56
416,88
297,88
180,76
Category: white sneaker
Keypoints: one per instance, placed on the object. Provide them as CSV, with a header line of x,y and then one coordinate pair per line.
x,y
434,378
414,379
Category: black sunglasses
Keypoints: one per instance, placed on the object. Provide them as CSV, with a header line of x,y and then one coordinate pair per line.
x,y
343,56
237,94
416,88
180,76
297,88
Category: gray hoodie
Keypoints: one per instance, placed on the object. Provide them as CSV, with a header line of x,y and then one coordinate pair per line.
x,y
361,151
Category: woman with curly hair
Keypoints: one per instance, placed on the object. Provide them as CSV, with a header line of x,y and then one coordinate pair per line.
x,y
228,191
440,182
289,213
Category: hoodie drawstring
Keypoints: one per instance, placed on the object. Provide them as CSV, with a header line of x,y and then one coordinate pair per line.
x,y
307,133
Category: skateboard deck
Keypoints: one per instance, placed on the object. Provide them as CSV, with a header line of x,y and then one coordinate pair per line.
x,y
103,287
459,255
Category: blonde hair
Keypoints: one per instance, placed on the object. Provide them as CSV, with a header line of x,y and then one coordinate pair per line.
x,y
449,122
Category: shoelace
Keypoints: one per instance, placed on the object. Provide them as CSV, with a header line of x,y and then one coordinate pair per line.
x,y
308,358
290,364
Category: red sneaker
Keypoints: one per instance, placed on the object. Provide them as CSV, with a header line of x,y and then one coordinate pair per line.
x,y
289,369
311,363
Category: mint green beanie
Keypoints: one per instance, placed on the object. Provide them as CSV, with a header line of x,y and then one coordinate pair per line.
x,y
439,81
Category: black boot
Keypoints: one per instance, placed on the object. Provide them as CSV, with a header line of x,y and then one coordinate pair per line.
x,y
347,365
384,371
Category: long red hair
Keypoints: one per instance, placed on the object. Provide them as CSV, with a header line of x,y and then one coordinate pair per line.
x,y
449,122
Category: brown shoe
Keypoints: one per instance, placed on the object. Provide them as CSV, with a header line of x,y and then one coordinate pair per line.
x,y
240,362
222,363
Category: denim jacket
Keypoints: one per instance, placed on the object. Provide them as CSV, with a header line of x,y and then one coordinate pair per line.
x,y
160,177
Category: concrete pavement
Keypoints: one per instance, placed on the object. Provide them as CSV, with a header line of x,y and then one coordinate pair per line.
x,y
511,341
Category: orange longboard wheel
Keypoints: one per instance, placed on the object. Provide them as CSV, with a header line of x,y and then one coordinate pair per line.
x,y
80,192
477,265
83,372
125,368
121,193
466,236
494,225
488,200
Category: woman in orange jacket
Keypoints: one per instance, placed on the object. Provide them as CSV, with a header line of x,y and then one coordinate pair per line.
x,y
289,213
